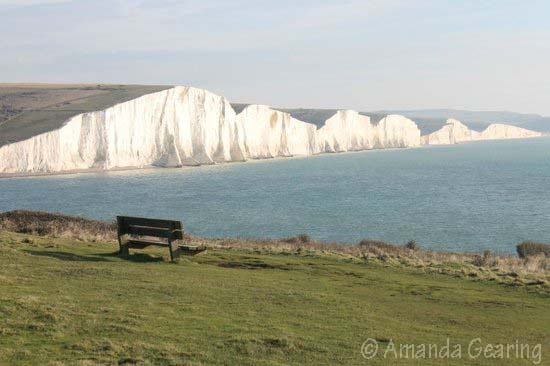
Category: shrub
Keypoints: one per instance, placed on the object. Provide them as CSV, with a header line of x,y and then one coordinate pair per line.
x,y
304,238
484,260
528,248
477,261
411,244
298,239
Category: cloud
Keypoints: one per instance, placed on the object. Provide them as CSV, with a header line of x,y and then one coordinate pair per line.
x,y
330,14
30,2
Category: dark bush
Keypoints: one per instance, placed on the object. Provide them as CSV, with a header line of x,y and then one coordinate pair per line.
x,y
528,248
304,238
298,239
411,244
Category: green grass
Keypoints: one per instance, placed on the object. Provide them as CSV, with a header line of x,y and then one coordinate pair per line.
x,y
41,108
67,302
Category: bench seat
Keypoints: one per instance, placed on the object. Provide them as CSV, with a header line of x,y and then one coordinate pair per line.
x,y
192,249
140,244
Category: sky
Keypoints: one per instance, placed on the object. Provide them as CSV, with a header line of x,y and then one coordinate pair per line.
x,y
358,54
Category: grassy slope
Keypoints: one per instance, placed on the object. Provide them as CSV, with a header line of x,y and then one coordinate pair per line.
x,y
63,302
27,110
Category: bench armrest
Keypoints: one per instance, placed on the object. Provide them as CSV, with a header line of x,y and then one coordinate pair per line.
x,y
176,231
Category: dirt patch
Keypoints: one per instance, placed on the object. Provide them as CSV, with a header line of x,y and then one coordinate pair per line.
x,y
252,265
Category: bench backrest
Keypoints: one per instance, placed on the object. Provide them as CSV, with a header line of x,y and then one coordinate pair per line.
x,y
168,229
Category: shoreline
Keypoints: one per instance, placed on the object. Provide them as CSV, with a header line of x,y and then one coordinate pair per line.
x,y
153,167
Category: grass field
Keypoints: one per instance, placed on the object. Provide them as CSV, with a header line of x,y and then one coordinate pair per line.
x,y
27,110
70,302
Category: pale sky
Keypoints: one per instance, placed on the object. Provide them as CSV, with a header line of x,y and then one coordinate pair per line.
x,y
363,55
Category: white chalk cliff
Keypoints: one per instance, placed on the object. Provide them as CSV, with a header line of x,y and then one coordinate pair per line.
x,y
189,126
455,132
351,131
266,133
178,126
499,131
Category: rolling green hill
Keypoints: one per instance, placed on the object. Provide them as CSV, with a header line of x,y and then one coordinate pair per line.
x,y
27,110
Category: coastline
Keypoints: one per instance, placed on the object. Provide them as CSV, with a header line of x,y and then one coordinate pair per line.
x,y
154,167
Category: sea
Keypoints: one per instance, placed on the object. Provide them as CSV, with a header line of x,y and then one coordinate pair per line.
x,y
471,197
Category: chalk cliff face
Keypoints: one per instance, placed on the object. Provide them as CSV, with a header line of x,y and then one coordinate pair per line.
x,y
346,131
189,126
455,132
501,131
178,126
452,133
267,133
351,131
396,131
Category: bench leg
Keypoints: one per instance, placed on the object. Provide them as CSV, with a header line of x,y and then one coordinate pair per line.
x,y
124,250
174,251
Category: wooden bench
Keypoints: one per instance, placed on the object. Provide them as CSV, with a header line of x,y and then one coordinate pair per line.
x,y
145,232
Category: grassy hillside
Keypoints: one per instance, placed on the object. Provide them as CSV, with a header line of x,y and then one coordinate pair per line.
x,y
71,302
30,109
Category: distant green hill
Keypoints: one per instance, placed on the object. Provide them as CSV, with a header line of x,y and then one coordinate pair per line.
x,y
27,110
431,120
428,120
478,119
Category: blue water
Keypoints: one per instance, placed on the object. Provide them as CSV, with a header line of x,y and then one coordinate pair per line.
x,y
471,197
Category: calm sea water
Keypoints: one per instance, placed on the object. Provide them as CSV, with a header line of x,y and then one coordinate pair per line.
x,y
470,197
